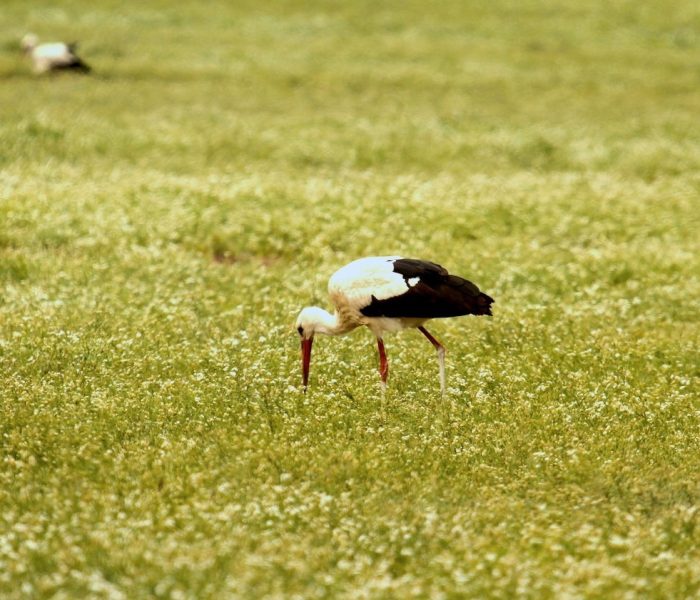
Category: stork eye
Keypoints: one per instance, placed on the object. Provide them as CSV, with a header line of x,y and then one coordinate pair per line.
x,y
300,329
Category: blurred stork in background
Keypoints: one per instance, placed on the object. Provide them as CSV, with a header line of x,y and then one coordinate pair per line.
x,y
53,56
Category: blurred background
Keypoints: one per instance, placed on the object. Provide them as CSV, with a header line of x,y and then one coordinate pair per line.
x,y
464,86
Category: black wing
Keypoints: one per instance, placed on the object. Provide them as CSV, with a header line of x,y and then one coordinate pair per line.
x,y
432,293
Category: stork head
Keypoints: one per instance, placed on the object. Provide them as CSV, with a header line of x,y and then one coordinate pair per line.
x,y
306,325
29,42
312,320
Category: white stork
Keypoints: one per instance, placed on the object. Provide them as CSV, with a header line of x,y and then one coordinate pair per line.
x,y
54,56
388,294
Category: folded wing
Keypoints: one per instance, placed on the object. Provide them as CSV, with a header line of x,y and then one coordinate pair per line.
x,y
430,292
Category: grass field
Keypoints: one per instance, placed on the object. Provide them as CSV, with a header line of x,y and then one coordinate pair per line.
x,y
163,221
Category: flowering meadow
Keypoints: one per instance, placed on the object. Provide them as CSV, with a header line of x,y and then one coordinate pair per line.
x,y
164,219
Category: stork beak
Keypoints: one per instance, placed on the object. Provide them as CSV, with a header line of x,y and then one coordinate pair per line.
x,y
306,360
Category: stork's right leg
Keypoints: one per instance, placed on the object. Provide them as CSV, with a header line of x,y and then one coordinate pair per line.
x,y
441,357
383,362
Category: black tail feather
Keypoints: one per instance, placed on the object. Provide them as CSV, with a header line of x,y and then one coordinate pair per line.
x,y
79,65
472,300
483,304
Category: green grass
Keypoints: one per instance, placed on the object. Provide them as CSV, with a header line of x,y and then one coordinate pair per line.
x,y
163,221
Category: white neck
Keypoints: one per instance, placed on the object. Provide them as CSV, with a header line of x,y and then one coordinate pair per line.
x,y
330,324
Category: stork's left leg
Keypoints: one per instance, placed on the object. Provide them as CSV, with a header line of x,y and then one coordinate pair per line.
x,y
441,357
383,362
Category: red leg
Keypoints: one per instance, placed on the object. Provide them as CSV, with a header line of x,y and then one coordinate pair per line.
x,y
433,341
383,362
441,357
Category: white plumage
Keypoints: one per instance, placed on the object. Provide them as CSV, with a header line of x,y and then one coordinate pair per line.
x,y
366,277
388,294
353,287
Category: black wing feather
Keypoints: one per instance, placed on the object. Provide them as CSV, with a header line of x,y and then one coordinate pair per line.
x,y
437,294
78,65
